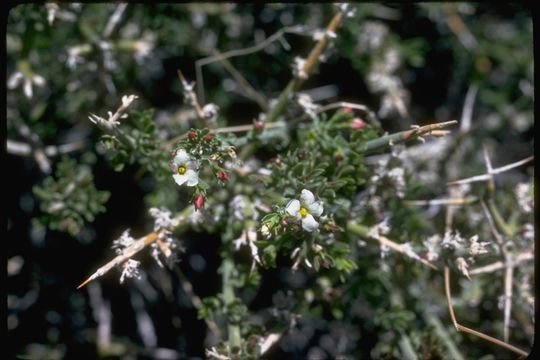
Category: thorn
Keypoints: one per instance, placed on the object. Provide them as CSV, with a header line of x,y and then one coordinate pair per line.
x,y
84,282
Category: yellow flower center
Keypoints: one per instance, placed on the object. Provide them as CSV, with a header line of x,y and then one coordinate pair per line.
x,y
181,169
303,212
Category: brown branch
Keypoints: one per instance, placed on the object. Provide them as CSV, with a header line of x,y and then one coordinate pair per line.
x,y
249,91
462,328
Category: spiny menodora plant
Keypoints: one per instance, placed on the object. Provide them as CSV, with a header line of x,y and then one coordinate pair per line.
x,y
385,233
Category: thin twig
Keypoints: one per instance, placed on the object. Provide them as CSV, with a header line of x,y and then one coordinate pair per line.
x,y
249,91
399,248
485,177
402,136
451,201
508,274
458,27
508,286
364,231
237,52
114,19
227,129
462,328
466,115
25,149
341,104
195,300
498,265
191,97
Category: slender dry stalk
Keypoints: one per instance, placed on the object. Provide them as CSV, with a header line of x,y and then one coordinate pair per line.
x,y
399,248
192,98
498,265
487,176
459,28
462,328
466,115
227,129
137,246
459,327
238,52
249,91
402,136
450,201
114,19
24,149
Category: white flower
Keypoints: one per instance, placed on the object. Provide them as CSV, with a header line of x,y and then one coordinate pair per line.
x,y
183,166
28,81
305,209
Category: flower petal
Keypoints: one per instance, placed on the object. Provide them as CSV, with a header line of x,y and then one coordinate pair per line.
x,y
293,207
315,208
192,178
14,80
173,166
181,157
27,88
307,197
180,179
309,223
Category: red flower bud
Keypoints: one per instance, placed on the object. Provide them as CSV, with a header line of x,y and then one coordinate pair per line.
x,y
198,201
191,135
258,125
208,137
222,176
357,124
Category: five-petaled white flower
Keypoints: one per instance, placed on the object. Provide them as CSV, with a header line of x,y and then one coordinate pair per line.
x,y
183,167
306,209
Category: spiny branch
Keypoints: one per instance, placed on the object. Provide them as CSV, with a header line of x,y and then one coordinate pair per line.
x,y
402,136
134,248
485,177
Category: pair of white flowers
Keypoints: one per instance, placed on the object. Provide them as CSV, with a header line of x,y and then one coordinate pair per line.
x,y
305,210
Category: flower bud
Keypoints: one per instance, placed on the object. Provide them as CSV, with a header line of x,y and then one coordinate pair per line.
x,y
198,201
222,176
258,126
191,135
208,137
357,124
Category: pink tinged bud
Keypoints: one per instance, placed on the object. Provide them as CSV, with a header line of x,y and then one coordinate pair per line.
x,y
258,126
347,109
222,176
208,137
198,201
357,124
191,135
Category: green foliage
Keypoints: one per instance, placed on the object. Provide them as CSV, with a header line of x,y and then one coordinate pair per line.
x,y
407,65
69,199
